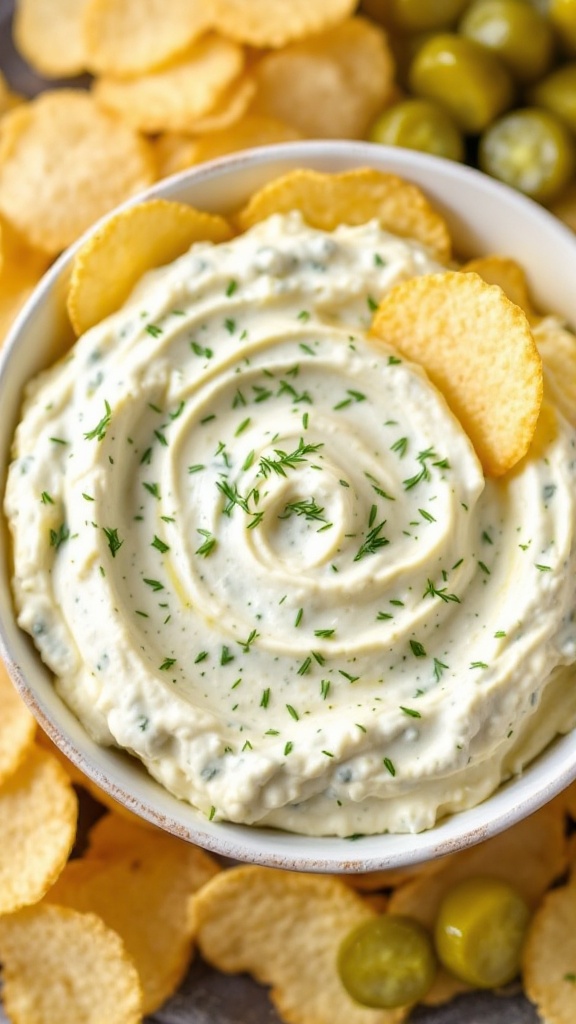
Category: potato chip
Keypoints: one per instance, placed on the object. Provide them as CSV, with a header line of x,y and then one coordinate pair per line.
x,y
352,197
557,348
276,23
123,39
570,800
38,810
50,36
286,929
231,106
21,268
8,99
248,133
529,856
116,256
143,893
444,988
17,727
509,276
328,86
115,834
549,960
62,967
63,164
475,346
174,96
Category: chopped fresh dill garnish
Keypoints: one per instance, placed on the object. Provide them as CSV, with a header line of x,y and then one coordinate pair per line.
x,y
432,591
247,644
208,545
100,429
292,712
411,712
372,542
285,460
155,584
389,766
417,649
160,545
59,536
114,542
167,663
152,489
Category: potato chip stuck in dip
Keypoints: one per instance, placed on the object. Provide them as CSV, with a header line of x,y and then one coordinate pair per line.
x,y
309,582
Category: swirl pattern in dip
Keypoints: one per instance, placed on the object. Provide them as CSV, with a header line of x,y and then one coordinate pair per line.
x,y
259,552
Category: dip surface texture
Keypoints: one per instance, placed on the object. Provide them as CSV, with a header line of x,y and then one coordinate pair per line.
x,y
259,552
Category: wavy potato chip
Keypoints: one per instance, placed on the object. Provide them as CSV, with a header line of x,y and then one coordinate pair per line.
x,y
21,268
276,22
549,958
8,99
352,197
328,86
285,929
476,346
125,37
63,164
38,811
509,276
557,348
231,106
133,241
63,967
50,35
17,725
115,834
248,133
171,98
143,893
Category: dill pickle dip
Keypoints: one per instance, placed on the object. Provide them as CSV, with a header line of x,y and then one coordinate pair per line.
x,y
258,551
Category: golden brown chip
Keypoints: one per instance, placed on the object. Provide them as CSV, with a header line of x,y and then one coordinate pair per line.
x,y
285,929
328,86
63,164
125,37
8,99
529,856
569,796
62,967
176,95
50,35
352,197
549,959
143,893
475,346
248,133
21,268
113,259
38,810
557,347
115,834
231,106
276,22
509,276
17,727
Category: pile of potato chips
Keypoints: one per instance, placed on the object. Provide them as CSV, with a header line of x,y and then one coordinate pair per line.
x,y
175,83
108,935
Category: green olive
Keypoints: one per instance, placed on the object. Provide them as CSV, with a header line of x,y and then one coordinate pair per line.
x,y
515,32
465,78
531,150
419,124
480,931
557,93
414,15
562,14
387,961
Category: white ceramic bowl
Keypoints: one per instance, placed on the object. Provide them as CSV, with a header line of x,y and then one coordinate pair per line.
x,y
484,216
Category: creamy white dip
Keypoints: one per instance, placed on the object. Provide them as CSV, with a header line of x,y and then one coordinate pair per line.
x,y
259,552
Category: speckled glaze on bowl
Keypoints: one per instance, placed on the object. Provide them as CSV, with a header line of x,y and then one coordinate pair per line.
x,y
483,216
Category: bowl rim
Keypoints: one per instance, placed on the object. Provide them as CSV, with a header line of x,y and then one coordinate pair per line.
x,y
550,772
